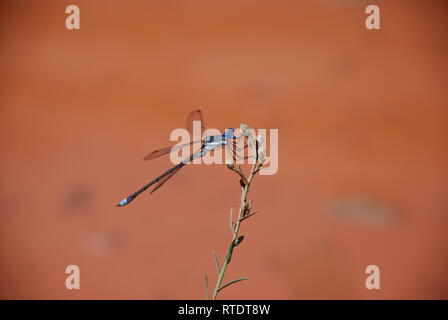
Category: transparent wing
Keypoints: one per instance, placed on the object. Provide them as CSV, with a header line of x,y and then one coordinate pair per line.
x,y
164,180
195,115
160,152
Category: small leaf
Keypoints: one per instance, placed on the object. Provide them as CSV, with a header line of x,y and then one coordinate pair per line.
x,y
232,282
249,215
218,268
207,297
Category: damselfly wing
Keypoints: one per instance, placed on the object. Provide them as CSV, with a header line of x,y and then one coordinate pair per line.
x,y
194,116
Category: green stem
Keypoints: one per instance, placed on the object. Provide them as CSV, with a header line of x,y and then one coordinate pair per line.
x,y
242,210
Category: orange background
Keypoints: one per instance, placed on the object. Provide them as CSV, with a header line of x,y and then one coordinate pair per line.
x,y
362,148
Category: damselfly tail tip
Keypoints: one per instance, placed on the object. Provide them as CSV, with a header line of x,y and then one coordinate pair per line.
x,y
123,203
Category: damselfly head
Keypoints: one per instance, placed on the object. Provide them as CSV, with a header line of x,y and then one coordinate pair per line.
x,y
209,139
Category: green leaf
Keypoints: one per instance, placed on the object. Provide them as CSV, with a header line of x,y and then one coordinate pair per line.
x,y
218,268
207,296
232,282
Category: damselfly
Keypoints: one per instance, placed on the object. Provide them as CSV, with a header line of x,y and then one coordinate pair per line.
x,y
208,143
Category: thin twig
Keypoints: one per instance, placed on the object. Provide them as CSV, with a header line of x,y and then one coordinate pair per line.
x,y
249,215
243,214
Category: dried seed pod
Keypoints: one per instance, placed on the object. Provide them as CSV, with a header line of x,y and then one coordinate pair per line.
x,y
238,241
261,155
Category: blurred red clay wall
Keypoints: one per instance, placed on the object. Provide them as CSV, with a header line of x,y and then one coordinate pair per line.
x,y
363,156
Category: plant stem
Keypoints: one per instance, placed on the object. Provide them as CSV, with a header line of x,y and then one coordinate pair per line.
x,y
242,213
